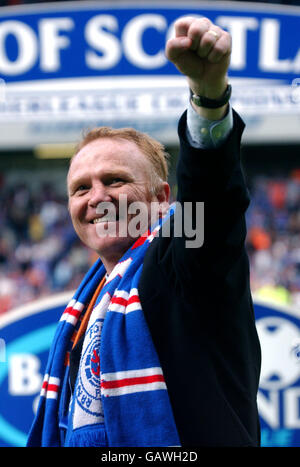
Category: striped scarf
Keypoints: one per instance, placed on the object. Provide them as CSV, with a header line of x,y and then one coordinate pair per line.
x,y
120,386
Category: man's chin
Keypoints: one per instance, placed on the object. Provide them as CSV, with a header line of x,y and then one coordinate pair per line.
x,y
109,238
111,245
111,229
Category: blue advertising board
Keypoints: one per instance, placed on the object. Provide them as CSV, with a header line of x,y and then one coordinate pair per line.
x,y
279,389
65,66
26,335
25,338
79,39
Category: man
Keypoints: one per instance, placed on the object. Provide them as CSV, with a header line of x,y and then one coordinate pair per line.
x,y
158,347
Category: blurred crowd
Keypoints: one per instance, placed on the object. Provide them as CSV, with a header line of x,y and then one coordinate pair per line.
x,y
40,253
39,250
273,240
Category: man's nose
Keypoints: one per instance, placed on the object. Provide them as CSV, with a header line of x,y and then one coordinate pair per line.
x,y
98,194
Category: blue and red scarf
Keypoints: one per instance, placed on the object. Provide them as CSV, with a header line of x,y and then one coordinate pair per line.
x,y
120,388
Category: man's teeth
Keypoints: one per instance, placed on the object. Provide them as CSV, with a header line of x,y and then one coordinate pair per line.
x,y
98,220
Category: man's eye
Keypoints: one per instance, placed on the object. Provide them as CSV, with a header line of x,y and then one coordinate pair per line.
x,y
116,180
81,188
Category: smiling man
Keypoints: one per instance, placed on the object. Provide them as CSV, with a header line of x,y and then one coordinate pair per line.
x,y
158,346
106,168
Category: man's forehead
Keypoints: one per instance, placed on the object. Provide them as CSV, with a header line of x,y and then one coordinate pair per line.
x,y
111,154
107,147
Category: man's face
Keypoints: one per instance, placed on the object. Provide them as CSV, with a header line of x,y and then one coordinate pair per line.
x,y
107,171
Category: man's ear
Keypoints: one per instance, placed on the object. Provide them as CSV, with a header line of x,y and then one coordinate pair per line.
x,y
163,196
163,193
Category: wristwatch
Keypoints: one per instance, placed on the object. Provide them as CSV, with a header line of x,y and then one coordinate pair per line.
x,y
202,101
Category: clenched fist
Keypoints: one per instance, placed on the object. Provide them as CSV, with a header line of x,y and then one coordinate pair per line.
x,y
201,51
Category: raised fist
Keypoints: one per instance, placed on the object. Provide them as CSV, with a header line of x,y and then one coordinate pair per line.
x,y
201,51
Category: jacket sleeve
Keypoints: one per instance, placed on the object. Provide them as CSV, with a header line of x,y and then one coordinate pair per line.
x,y
213,177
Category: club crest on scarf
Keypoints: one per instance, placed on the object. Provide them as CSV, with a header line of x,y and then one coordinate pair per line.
x,y
88,387
87,397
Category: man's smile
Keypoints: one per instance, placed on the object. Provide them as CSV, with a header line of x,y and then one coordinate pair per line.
x,y
99,220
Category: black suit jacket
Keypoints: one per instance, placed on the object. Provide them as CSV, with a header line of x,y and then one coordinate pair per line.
x,y
198,305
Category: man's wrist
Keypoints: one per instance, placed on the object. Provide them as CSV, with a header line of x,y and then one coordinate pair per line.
x,y
203,101
215,92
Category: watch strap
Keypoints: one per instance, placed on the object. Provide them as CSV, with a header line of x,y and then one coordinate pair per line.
x,y
202,101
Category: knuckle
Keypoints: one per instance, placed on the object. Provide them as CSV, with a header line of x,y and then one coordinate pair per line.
x,y
218,30
200,25
220,47
184,20
180,21
207,39
227,36
204,20
218,51
194,31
